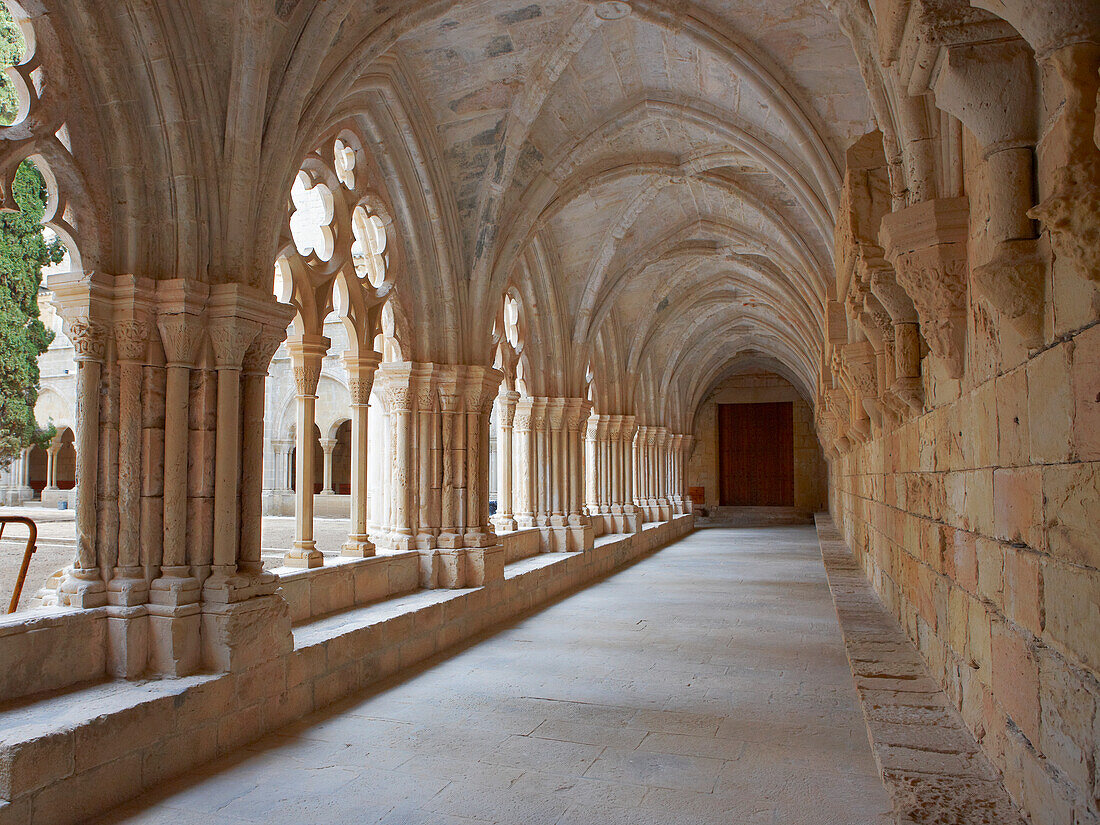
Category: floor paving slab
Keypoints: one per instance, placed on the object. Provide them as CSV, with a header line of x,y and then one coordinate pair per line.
x,y
705,684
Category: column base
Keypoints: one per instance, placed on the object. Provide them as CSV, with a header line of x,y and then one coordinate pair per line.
x,y
304,555
244,634
127,589
629,522
174,639
504,524
581,537
452,568
127,640
484,565
357,547
83,588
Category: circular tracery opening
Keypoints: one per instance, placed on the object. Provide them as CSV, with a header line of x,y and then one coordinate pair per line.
x,y
311,223
511,321
344,161
368,249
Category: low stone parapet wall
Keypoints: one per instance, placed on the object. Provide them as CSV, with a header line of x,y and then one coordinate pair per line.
x,y
50,649
68,757
520,544
347,582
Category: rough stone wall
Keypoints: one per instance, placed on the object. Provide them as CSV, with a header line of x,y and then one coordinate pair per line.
x,y
978,523
758,387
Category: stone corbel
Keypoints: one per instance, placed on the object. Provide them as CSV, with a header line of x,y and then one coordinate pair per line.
x,y
1002,116
1071,211
837,406
926,244
859,357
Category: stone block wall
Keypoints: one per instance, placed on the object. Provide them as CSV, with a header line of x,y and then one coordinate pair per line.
x,y
758,387
978,523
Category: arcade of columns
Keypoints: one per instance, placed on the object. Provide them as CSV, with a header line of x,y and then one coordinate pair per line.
x,y
849,194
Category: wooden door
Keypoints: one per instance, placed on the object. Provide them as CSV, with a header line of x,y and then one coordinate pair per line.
x,y
756,454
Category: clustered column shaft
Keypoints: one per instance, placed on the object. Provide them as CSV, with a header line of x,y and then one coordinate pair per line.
x,y
171,570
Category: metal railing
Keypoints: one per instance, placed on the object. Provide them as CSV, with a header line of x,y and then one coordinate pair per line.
x,y
32,540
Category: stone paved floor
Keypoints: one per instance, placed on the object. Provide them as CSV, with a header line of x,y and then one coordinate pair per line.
x,y
705,684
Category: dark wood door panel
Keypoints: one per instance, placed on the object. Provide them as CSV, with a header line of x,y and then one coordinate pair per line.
x,y
756,454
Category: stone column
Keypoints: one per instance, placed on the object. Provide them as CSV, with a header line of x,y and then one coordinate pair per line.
x,y
614,468
243,622
128,585
280,449
653,467
689,503
591,446
540,463
427,528
306,353
581,533
450,533
477,487
83,585
361,371
257,359
558,479
603,474
51,464
506,412
400,398
327,447
525,515
174,595
231,337
638,454
484,551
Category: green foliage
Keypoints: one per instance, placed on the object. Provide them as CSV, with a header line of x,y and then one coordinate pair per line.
x,y
11,51
23,337
23,252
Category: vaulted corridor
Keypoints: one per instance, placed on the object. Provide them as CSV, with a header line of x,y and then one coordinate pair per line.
x,y
706,683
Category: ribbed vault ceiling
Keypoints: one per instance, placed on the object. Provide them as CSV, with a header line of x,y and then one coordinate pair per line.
x,y
668,182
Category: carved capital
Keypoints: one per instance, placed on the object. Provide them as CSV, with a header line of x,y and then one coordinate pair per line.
x,y
230,338
306,378
257,357
506,408
859,359
399,398
425,395
180,334
89,339
1070,213
132,339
